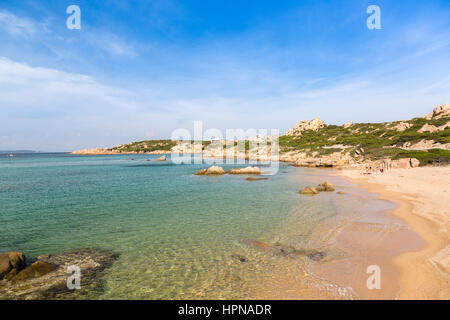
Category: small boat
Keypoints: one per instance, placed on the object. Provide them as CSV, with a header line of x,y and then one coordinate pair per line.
x,y
11,155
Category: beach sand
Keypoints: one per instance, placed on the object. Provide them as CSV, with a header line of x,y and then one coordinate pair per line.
x,y
423,195
407,237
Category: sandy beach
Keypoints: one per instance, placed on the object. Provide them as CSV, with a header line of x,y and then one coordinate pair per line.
x,y
424,205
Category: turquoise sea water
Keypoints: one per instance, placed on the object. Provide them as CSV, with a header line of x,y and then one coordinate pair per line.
x,y
177,234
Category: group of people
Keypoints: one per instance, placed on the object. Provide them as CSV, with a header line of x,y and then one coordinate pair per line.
x,y
371,170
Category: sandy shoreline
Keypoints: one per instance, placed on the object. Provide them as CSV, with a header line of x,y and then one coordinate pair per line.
x,y
424,204
400,224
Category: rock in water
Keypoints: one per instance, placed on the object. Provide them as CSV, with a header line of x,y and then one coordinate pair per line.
x,y
256,179
248,170
11,261
35,270
261,246
239,257
214,170
316,256
162,158
201,172
326,186
47,277
309,191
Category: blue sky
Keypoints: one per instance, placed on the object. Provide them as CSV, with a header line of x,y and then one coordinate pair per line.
x,y
141,69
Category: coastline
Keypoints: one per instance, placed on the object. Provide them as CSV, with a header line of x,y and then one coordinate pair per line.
x,y
373,225
363,232
422,196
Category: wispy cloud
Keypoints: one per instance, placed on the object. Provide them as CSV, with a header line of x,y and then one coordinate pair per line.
x,y
17,26
49,107
111,44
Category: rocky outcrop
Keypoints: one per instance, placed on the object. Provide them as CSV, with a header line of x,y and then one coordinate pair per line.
x,y
211,171
216,170
425,145
248,170
11,263
414,163
336,159
439,112
387,164
428,128
104,151
94,151
309,191
47,277
325,186
402,126
405,163
314,125
348,124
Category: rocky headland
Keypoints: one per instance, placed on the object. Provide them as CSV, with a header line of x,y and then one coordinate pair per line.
x,y
399,144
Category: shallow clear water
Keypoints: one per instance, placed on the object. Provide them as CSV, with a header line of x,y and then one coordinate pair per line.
x,y
177,234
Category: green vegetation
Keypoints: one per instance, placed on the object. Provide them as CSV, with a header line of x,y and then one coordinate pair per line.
x,y
363,140
146,146
152,145
372,140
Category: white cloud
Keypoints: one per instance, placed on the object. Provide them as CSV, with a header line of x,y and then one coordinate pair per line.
x,y
112,44
17,26
51,109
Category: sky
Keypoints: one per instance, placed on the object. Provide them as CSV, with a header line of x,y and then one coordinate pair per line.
x,y
141,69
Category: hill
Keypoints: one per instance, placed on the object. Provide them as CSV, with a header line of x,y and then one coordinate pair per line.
x,y
314,143
426,138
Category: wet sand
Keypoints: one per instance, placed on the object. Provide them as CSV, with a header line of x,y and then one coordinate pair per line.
x,y
423,195
407,237
353,240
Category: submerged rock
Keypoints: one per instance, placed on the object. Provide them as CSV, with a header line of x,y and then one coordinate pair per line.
x,y
11,262
276,249
261,246
256,179
309,191
239,257
311,254
285,251
47,277
317,256
35,270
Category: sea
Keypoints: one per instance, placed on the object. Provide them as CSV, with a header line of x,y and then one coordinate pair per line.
x,y
177,235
